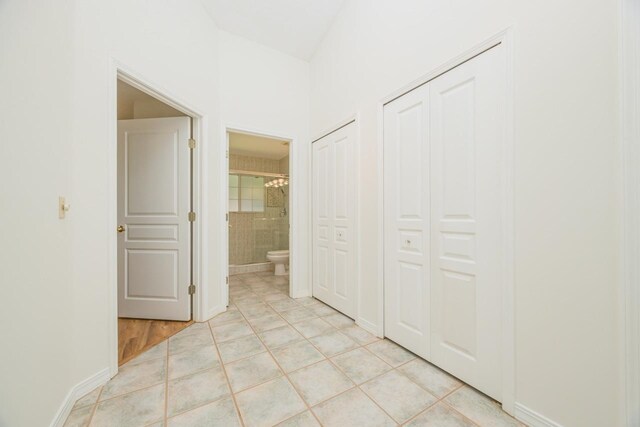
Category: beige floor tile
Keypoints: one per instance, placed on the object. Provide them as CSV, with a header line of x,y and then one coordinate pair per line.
x,y
135,375
269,403
252,371
429,377
480,408
88,399
155,352
352,408
320,382
240,348
440,415
322,310
219,413
135,409
398,396
266,323
338,320
188,362
79,417
359,335
390,352
360,365
192,338
313,327
256,311
333,343
305,419
297,314
195,390
280,336
306,300
297,355
284,304
226,317
246,300
231,331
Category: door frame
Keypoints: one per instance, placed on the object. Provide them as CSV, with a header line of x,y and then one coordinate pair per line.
x,y
120,71
629,300
297,276
504,38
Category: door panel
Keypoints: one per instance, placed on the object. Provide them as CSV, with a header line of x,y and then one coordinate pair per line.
x,y
442,223
406,178
153,207
467,131
334,256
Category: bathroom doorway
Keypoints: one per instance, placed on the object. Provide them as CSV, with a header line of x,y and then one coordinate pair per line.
x,y
259,205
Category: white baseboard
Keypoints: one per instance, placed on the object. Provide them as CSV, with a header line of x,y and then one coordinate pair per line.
x,y
367,326
532,418
76,393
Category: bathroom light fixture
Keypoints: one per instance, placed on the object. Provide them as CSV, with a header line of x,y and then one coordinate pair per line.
x,y
278,182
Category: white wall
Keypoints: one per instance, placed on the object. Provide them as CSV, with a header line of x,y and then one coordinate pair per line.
x,y
35,308
266,91
566,184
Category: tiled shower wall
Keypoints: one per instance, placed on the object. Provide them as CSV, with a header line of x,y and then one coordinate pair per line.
x,y
253,234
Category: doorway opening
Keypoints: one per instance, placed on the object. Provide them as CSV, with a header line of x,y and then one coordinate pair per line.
x,y
155,217
258,213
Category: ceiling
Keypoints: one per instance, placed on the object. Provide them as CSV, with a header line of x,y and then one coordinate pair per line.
x,y
257,146
295,27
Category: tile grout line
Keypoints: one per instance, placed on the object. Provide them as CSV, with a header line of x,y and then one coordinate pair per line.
x,y
224,371
95,405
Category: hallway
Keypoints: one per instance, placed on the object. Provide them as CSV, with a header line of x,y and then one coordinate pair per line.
x,y
272,360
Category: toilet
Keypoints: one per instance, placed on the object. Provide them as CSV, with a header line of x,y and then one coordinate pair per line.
x,y
279,258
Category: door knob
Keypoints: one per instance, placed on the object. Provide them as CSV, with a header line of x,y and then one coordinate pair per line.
x,y
120,228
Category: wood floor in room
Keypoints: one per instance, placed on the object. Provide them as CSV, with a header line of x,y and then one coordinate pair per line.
x,y
137,335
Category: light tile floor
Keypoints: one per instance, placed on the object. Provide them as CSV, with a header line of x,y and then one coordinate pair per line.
x,y
272,360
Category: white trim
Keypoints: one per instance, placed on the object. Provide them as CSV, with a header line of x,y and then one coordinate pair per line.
x,y
78,391
120,71
532,418
508,303
629,60
297,288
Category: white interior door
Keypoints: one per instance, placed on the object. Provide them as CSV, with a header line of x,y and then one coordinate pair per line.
x,y
406,227
463,238
334,198
153,208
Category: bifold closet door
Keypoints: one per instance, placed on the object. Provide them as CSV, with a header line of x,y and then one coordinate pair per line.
x,y
334,198
444,235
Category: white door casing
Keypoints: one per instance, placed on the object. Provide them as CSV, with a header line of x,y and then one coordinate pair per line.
x,y
334,208
462,290
153,208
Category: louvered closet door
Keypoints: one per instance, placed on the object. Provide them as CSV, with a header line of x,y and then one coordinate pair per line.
x,y
334,198
443,293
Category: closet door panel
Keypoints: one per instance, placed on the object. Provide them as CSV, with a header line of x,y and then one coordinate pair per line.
x,y
406,221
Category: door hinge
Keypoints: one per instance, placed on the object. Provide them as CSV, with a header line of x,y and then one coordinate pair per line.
x,y
192,216
192,143
192,289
